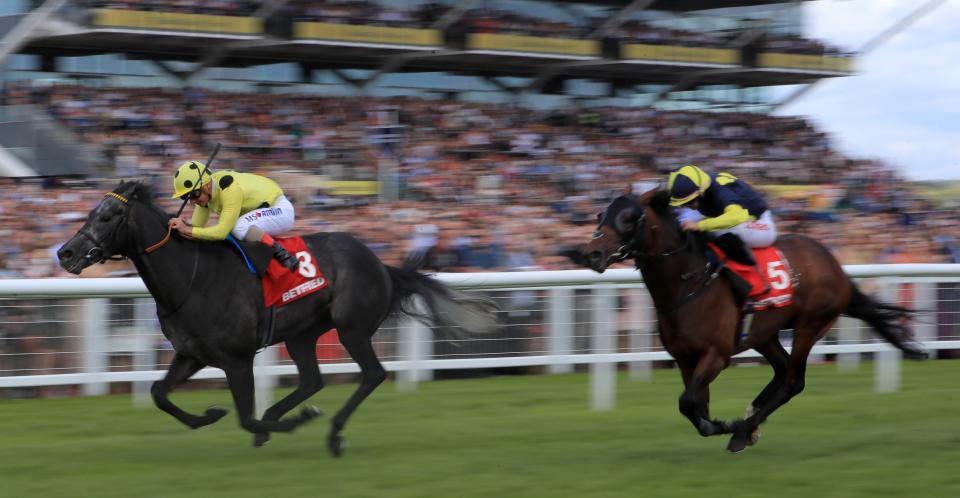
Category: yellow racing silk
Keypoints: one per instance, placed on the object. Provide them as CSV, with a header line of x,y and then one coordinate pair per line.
x,y
733,215
234,193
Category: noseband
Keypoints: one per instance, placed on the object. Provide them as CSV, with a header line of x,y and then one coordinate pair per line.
x,y
98,253
628,247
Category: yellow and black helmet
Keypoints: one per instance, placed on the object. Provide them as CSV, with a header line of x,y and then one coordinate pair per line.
x,y
187,178
686,184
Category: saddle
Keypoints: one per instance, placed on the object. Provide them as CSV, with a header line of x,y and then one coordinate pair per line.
x,y
759,291
280,286
257,256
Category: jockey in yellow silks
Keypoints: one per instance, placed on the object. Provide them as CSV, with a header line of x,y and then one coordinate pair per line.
x,y
251,207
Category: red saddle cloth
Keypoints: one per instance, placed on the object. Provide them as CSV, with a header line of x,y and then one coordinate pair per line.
x,y
775,273
282,286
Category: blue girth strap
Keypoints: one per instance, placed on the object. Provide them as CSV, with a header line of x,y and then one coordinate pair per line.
x,y
233,240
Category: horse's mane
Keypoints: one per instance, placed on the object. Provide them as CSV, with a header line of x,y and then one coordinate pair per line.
x,y
138,190
660,203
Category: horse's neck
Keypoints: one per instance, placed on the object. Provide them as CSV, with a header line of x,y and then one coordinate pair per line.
x,y
669,281
169,271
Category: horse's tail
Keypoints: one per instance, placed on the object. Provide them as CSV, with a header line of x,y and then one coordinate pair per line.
x,y
887,320
457,312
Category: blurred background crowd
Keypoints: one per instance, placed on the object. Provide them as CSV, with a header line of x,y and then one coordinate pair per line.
x,y
481,186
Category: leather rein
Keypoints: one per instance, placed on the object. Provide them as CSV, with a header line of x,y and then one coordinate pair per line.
x,y
97,252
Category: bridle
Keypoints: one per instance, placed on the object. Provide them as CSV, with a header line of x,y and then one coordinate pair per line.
x,y
628,247
97,253
702,278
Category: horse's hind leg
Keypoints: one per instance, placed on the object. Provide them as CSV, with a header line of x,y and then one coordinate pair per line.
x,y
695,399
372,374
240,379
182,368
805,335
303,352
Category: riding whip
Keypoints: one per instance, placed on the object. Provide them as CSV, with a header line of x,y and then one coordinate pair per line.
x,y
199,184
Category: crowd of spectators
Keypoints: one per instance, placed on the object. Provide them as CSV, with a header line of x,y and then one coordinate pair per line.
x,y
481,187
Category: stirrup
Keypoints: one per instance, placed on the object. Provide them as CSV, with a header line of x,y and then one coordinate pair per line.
x,y
285,259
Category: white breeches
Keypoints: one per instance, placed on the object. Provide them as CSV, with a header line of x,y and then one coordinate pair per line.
x,y
274,220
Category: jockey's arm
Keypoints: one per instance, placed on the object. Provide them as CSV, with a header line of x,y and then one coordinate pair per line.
x,y
733,215
231,199
201,215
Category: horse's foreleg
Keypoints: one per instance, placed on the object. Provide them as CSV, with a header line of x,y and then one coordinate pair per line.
x,y
240,381
695,399
778,358
372,374
805,335
182,368
303,351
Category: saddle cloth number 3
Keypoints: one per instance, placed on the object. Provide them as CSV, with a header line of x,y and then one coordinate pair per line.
x,y
307,268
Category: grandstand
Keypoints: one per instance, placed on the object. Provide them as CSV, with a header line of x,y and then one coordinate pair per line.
x,y
545,54
424,113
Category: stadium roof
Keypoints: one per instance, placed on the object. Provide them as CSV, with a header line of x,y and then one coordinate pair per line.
x,y
196,47
688,5
247,41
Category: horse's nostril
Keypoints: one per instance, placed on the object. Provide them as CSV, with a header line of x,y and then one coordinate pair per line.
x,y
594,256
65,253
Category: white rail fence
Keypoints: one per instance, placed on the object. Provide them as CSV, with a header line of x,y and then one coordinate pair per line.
x,y
101,333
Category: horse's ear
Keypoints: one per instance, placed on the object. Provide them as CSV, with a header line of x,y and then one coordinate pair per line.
x,y
626,220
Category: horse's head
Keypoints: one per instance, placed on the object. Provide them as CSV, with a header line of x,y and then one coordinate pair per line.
x,y
633,226
106,231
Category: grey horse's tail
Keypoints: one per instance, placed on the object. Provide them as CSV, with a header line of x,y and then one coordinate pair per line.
x,y
886,320
457,312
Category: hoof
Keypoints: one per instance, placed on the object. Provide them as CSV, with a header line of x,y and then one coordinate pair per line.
x,y
742,438
336,445
260,439
309,413
212,414
916,355
215,413
737,444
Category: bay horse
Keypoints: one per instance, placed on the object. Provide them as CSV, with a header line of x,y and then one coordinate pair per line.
x,y
209,306
699,317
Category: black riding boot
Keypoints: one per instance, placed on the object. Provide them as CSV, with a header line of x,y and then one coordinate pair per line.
x,y
736,250
285,258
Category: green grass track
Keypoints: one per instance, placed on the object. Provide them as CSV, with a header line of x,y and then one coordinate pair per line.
x,y
511,437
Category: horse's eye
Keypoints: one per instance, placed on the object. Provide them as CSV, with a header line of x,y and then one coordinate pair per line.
x,y
105,218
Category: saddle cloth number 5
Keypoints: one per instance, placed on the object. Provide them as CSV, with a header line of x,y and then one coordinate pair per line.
x,y
307,268
777,275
